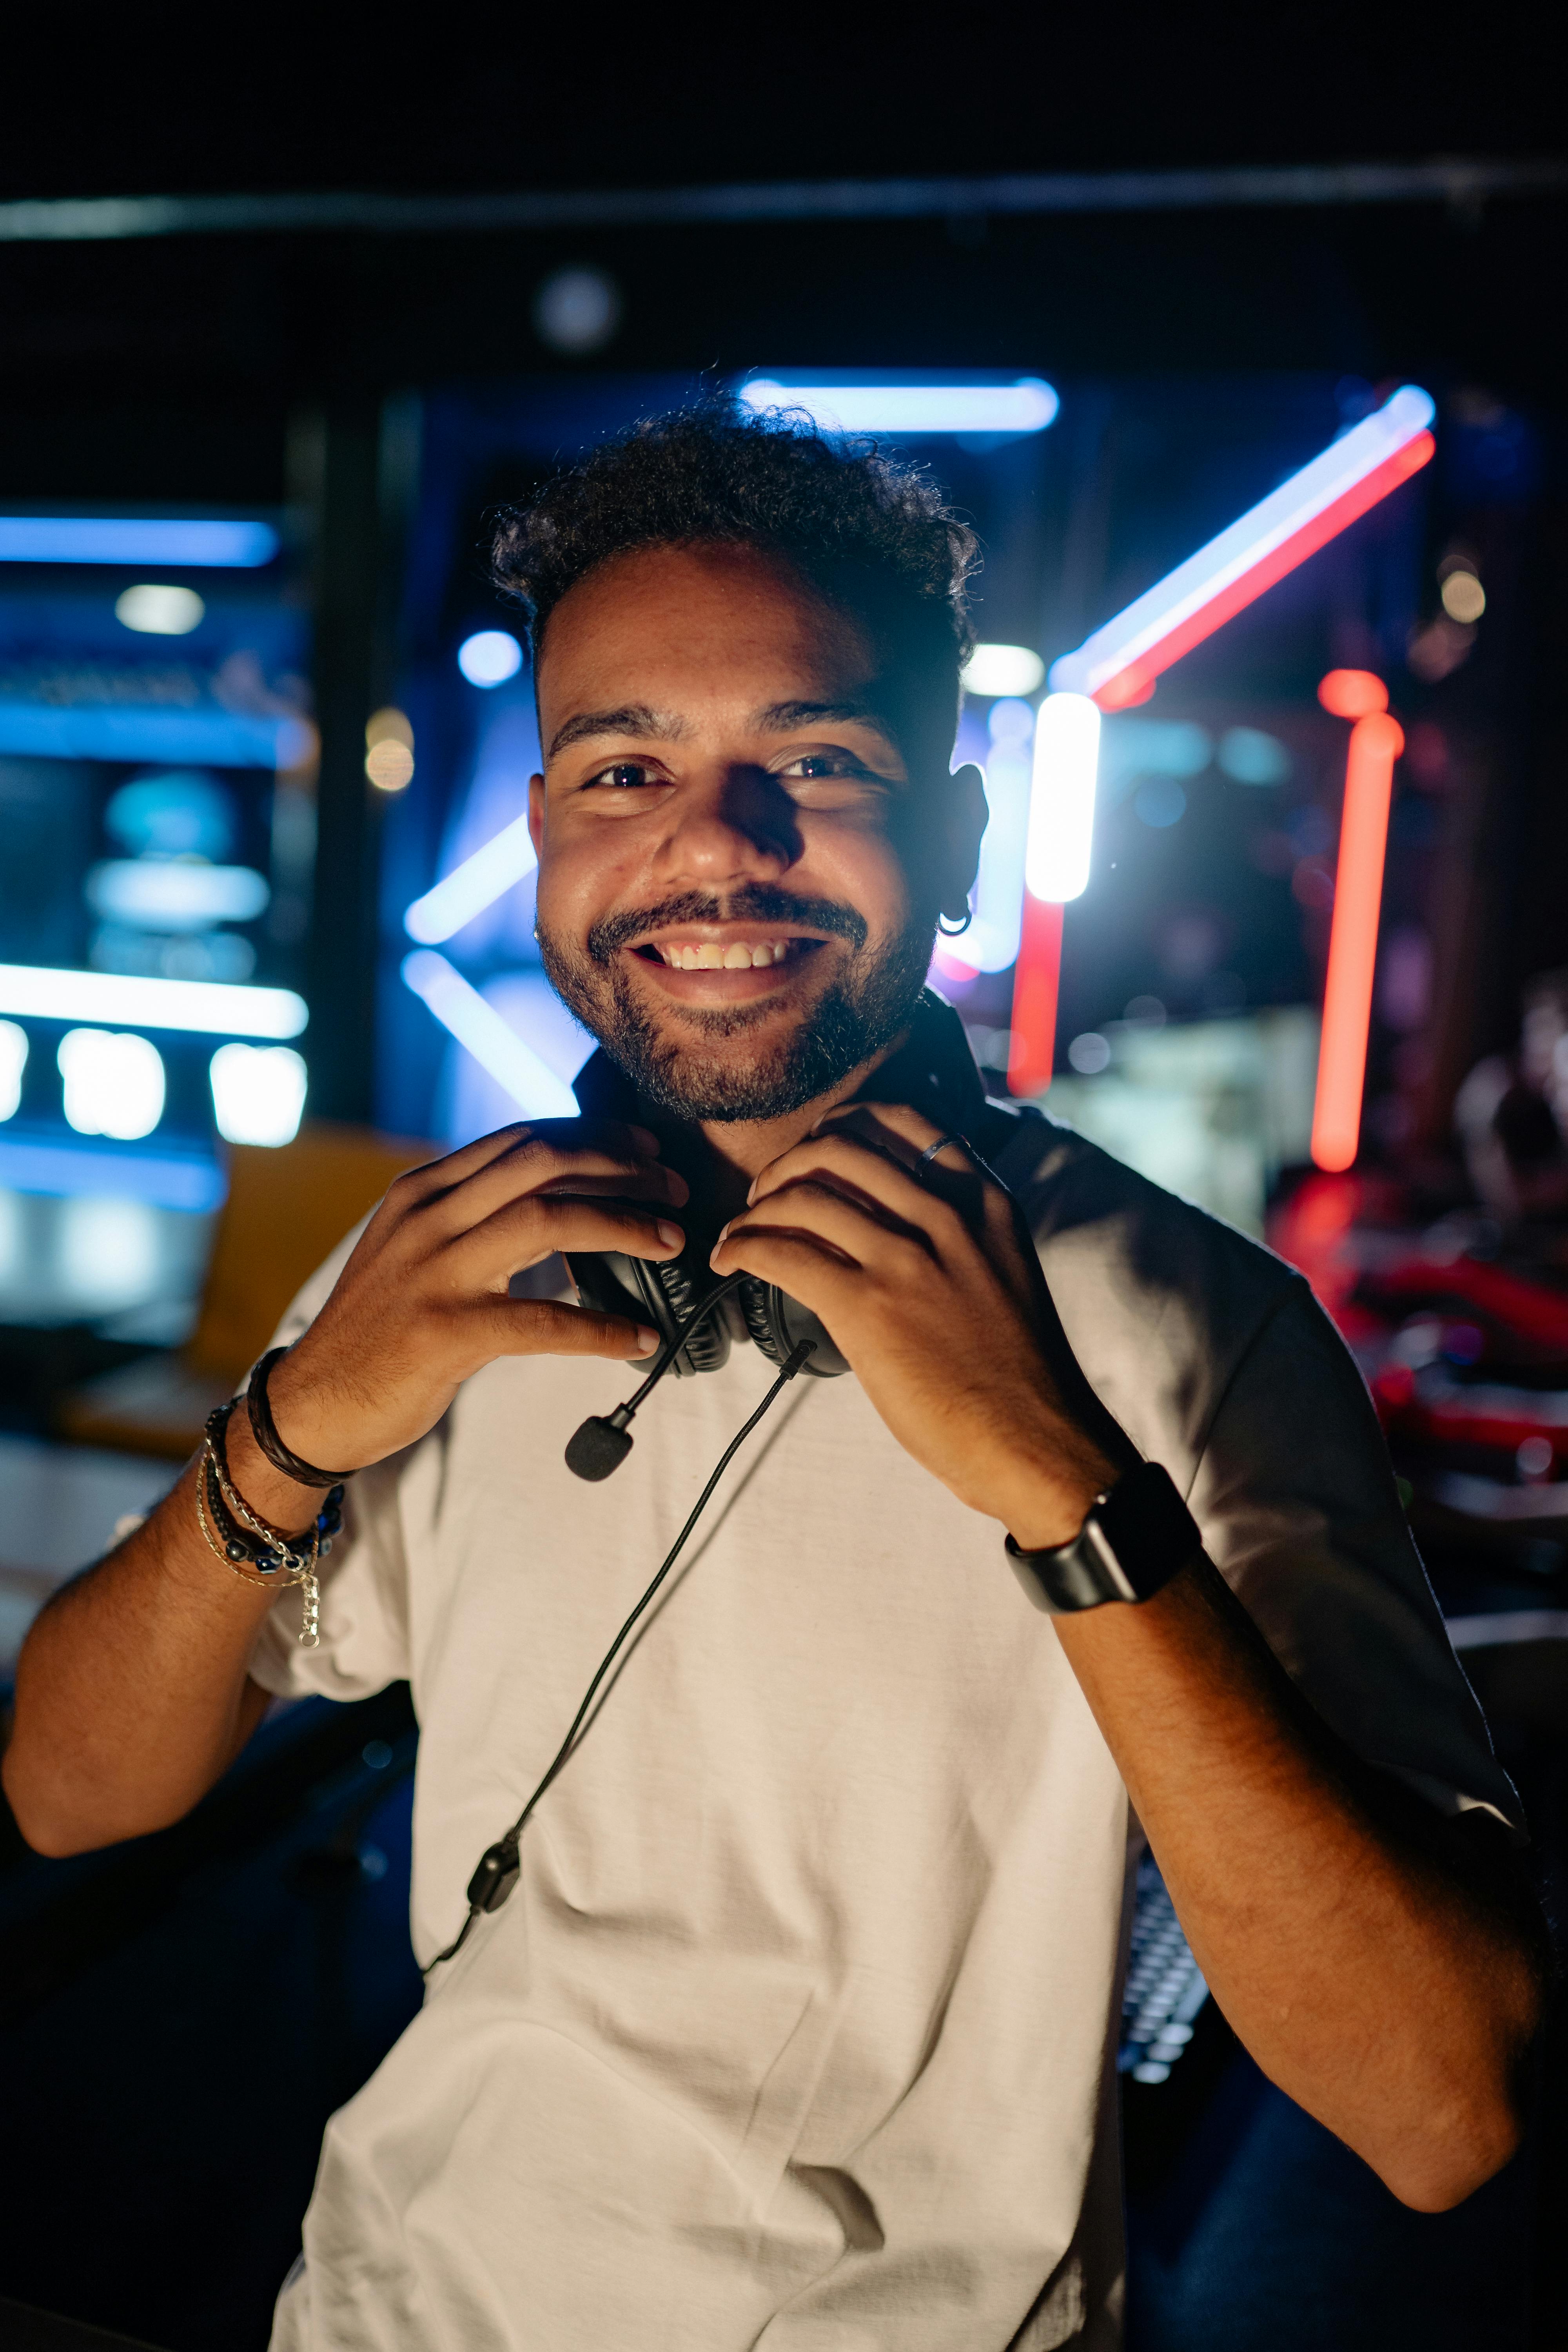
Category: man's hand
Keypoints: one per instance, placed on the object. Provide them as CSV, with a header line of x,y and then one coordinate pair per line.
x,y
423,1302
925,1280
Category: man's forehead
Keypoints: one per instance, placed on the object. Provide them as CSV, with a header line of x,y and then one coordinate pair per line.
x,y
676,606
673,641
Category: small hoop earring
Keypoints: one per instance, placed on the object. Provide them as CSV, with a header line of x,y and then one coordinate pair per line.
x,y
951,930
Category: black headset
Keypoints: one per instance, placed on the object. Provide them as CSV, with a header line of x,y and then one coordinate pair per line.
x,y
696,1319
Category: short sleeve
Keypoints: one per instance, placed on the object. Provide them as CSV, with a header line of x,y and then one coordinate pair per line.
x,y
363,1643
1297,1500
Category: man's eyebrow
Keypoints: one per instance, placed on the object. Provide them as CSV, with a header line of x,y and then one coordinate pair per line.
x,y
782,717
627,718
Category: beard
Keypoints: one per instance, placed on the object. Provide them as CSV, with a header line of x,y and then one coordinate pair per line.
x,y
860,1013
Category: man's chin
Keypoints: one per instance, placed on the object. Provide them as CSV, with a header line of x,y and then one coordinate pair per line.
x,y
757,1060
743,1061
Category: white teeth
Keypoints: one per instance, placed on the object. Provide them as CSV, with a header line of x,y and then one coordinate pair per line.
x,y
710,957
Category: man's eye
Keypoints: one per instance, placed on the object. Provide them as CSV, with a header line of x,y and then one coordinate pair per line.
x,y
625,776
811,765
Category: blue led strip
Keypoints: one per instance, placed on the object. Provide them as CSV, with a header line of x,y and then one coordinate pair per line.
x,y
168,1180
182,546
204,739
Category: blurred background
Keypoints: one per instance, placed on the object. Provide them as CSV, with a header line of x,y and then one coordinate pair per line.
x,y
280,330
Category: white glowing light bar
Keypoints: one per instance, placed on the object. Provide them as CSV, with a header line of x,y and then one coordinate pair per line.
x,y
166,894
259,1093
506,859
494,1044
13,1061
1061,804
1120,663
1027,407
114,1083
215,1008
1002,669
160,611
185,545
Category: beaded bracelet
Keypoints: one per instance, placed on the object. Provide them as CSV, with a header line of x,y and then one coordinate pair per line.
x,y
264,1557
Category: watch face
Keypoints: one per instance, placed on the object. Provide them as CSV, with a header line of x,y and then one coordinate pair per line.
x,y
1135,1538
1145,1531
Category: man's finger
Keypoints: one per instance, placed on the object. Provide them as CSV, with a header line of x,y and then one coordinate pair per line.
x,y
438,1176
894,1128
829,1284
862,1233
553,1327
860,1167
538,1162
521,1232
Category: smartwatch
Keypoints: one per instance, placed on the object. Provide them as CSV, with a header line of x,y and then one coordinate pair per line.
x,y
1136,1538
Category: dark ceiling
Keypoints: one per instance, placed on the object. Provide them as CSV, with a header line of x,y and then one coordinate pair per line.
x,y
173,99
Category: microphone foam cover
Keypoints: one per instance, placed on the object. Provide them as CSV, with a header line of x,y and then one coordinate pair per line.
x,y
597,1448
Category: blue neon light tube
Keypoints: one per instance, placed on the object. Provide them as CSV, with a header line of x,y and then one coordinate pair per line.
x,y
182,546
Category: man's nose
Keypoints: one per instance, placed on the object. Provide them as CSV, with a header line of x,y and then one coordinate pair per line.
x,y
736,824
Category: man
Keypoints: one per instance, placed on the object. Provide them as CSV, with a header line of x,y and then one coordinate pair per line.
x,y
797,2027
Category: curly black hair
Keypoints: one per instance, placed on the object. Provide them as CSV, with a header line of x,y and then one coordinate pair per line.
x,y
869,534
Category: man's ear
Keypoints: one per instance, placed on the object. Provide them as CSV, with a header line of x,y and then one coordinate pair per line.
x,y
967,816
536,812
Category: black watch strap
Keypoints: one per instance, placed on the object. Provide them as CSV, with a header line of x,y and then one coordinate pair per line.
x,y
1136,1536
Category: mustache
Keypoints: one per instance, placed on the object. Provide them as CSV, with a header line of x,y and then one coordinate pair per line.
x,y
756,903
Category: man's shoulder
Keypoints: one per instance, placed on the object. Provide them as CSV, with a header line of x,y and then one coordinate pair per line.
x,y
1074,1194
1158,1295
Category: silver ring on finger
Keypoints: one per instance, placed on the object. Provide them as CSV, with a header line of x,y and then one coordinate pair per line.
x,y
930,1153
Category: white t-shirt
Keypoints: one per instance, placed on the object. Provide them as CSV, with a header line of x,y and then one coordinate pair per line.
x,y
797,2030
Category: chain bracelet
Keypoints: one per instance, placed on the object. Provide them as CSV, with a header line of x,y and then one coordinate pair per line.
x,y
288,1549
290,1564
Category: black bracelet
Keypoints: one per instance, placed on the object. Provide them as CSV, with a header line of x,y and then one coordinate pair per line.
x,y
264,1429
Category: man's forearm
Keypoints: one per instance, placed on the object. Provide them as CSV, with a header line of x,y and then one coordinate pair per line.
x,y
132,1689
1368,1972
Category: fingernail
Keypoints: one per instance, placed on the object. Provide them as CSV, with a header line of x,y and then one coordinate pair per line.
x,y
646,1340
723,1234
648,1141
670,1235
751,1193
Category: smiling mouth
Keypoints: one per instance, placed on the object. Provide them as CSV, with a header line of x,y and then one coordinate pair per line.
x,y
722,955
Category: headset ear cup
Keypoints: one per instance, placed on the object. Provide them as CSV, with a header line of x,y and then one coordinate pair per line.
x,y
778,1324
613,1285
796,1323
678,1293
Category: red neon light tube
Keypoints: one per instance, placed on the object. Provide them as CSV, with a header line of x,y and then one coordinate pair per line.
x,y
1135,682
1376,741
1119,664
1036,976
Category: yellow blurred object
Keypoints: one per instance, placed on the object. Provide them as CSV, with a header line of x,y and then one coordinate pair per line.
x,y
286,1210
388,749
